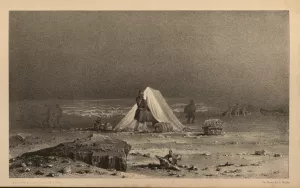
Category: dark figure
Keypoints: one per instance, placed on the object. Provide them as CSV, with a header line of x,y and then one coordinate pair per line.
x,y
244,111
142,113
172,158
190,111
237,110
97,124
46,119
57,115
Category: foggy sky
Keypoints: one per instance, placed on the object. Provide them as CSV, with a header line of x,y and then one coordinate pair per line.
x,y
202,54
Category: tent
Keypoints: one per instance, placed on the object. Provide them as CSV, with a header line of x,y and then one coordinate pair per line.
x,y
159,109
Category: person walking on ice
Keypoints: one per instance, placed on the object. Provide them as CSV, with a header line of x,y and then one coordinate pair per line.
x,y
190,111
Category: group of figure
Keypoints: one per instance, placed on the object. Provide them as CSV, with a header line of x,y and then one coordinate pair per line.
x,y
236,111
52,116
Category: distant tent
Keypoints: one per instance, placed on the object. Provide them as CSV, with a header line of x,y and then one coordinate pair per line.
x,y
159,109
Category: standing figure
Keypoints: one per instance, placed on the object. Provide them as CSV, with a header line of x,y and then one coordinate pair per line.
x,y
244,111
142,113
58,115
237,110
51,117
190,111
55,116
229,111
46,116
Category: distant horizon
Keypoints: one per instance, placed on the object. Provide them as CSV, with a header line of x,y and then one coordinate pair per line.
x,y
183,100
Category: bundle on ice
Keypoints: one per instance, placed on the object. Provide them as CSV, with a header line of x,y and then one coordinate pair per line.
x,y
100,125
213,127
163,127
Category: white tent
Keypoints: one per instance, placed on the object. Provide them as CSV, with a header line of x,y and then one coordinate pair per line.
x,y
159,109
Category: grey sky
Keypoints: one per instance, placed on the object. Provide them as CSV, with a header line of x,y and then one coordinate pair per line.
x,y
90,55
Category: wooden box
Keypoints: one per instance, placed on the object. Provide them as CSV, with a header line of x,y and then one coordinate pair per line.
x,y
213,127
